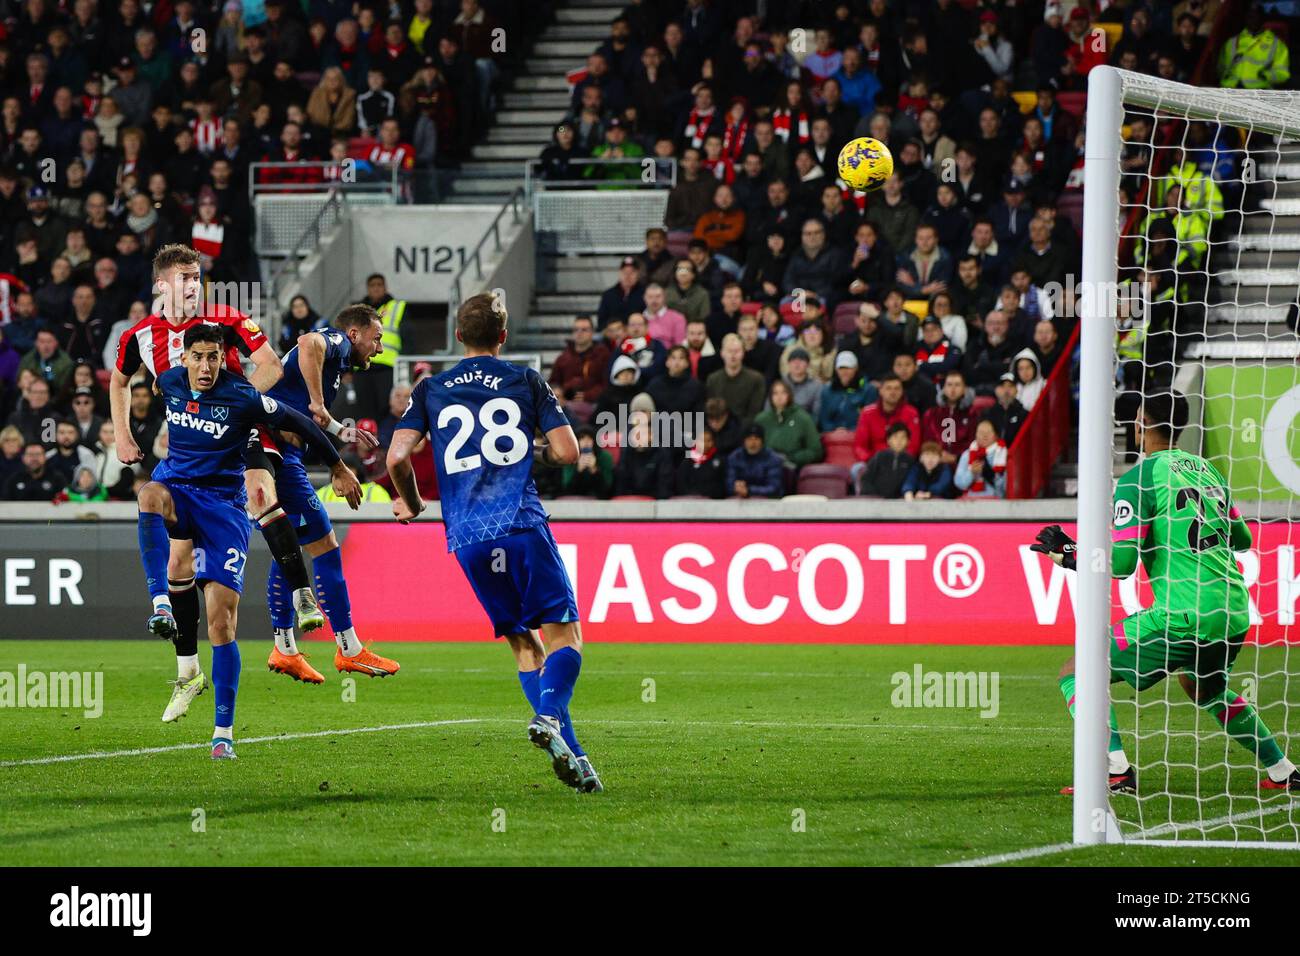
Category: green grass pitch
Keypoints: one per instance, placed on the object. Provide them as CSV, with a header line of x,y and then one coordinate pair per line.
x,y
739,745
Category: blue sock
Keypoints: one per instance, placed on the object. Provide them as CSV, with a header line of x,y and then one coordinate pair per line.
x,y
570,738
225,681
528,680
557,680
332,590
155,547
277,598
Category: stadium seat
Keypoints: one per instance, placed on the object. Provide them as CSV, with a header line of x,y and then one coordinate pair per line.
x,y
1026,100
839,447
104,376
678,241
918,307
1070,205
582,411
846,314
981,405
1113,32
359,147
1073,103
809,498
750,308
823,479
1280,27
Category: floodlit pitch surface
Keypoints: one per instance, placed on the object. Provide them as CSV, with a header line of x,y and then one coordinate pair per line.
x,y
711,755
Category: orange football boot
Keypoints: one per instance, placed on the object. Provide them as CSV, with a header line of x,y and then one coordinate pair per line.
x,y
367,662
295,666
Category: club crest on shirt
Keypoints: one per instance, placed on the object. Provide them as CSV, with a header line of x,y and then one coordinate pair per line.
x,y
220,412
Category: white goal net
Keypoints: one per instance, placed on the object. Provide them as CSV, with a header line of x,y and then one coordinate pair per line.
x,y
1190,285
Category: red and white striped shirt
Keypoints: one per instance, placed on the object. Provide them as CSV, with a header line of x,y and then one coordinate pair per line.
x,y
401,156
207,135
206,237
157,344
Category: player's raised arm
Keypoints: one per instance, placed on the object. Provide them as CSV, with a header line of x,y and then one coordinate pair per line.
x,y
311,362
267,367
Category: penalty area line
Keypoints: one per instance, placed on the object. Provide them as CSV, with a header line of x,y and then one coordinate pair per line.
x,y
147,751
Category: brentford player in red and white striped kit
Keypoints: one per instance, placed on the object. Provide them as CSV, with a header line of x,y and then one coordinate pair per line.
x,y
156,343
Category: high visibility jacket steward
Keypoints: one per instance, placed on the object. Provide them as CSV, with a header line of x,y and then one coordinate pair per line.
x,y
390,314
1254,62
1201,193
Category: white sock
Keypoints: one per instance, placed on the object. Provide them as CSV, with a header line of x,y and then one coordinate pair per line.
x,y
285,641
187,666
227,732
349,643
1281,770
162,600
1117,762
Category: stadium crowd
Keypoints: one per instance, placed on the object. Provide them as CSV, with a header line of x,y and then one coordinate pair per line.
x,y
905,334
801,323
126,125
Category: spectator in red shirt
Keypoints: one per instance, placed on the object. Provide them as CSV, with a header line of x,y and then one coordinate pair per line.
x,y
875,420
1086,49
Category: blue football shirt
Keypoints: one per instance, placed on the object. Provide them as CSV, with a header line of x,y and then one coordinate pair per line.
x,y
291,390
481,416
207,431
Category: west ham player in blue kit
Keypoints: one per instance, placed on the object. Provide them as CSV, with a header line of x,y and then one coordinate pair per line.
x,y
197,494
312,372
482,415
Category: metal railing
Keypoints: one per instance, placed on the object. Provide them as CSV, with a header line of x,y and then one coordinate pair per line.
x,y
405,363
662,172
475,258
1045,432
335,211
340,175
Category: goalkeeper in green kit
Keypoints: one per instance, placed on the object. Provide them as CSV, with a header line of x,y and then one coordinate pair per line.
x,y
1174,513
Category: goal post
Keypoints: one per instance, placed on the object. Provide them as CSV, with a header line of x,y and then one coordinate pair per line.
x,y
1102,144
1188,274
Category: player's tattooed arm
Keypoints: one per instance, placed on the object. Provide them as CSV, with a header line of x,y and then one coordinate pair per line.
x,y
407,506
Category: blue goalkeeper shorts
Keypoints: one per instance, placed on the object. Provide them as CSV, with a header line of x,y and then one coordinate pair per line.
x,y
298,498
215,520
520,580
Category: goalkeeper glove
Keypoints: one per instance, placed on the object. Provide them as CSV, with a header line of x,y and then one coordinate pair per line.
x,y
1057,545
